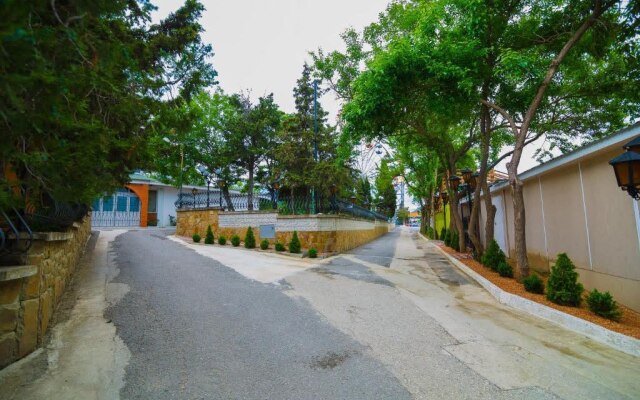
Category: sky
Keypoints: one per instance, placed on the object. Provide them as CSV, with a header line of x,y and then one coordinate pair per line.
x,y
261,45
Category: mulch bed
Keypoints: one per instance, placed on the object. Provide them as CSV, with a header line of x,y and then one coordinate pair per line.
x,y
629,323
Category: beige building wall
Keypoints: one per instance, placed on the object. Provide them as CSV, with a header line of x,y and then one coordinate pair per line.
x,y
578,209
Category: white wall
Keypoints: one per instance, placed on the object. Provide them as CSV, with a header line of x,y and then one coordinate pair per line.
x,y
167,196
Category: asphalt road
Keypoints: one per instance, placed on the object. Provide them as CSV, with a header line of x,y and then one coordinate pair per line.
x,y
199,330
151,316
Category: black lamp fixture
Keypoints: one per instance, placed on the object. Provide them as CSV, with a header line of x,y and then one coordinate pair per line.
x,y
444,196
466,175
473,180
627,168
454,182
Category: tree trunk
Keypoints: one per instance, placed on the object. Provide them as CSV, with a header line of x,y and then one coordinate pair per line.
x,y
491,214
456,218
519,227
474,219
250,188
227,198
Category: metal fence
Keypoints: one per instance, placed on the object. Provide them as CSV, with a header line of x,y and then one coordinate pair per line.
x,y
285,205
230,201
18,224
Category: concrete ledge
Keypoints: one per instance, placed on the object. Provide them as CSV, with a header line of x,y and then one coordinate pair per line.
x,y
17,272
593,331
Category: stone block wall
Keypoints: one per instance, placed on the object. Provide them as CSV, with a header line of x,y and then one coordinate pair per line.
x,y
325,233
30,293
196,221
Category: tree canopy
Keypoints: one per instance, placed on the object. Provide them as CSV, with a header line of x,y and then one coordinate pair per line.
x,y
85,85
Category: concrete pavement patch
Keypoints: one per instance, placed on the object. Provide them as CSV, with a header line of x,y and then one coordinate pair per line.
x,y
616,340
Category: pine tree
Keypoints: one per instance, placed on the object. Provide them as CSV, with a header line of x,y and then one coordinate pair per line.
x,y
208,239
294,245
295,153
84,86
563,286
250,239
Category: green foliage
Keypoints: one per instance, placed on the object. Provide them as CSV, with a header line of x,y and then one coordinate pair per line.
x,y
222,240
208,239
505,270
402,215
563,286
313,253
493,256
533,284
294,156
455,240
603,305
85,86
431,233
443,234
249,239
196,238
280,247
264,244
294,244
235,240
385,192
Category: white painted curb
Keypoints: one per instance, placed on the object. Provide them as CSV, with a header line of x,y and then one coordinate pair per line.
x,y
616,340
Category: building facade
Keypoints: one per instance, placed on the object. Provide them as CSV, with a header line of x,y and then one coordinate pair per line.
x,y
573,205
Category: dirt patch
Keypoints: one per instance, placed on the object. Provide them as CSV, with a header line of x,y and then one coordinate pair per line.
x,y
330,360
629,323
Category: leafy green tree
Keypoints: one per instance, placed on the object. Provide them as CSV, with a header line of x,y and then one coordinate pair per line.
x,y
85,86
386,197
250,135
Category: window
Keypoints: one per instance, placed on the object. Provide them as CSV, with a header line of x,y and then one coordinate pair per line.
x,y
122,203
107,203
134,204
153,201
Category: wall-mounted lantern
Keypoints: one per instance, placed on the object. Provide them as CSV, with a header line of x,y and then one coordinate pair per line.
x,y
627,168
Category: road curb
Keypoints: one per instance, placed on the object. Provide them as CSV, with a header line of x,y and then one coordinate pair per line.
x,y
593,331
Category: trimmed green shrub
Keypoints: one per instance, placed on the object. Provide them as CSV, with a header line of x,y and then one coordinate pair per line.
x,y
455,241
505,270
563,286
196,238
294,244
431,233
603,305
493,256
533,284
235,240
279,247
264,244
222,240
249,239
443,233
208,239
313,253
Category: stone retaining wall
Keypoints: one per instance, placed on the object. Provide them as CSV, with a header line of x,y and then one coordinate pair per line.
x,y
325,233
29,293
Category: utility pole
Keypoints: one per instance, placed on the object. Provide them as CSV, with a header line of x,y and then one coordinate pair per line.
x,y
315,140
